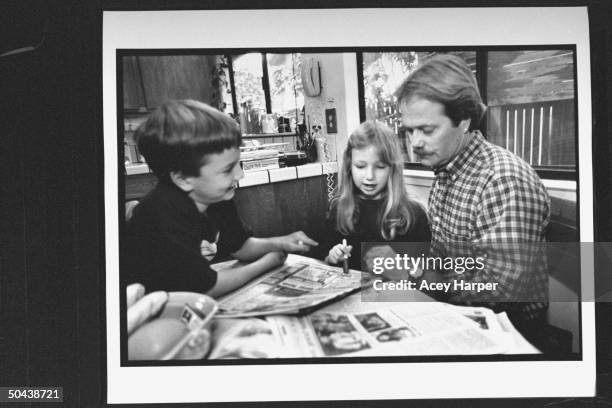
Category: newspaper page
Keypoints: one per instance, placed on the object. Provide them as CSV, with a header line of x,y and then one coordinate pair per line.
x,y
426,328
244,338
500,325
484,317
518,344
300,283
422,329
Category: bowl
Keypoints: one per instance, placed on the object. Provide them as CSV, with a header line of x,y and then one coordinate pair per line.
x,y
180,331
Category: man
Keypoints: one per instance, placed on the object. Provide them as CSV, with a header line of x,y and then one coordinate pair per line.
x,y
485,202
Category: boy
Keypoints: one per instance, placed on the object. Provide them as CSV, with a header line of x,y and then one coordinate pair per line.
x,y
190,217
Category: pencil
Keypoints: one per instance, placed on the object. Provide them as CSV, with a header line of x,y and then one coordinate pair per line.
x,y
345,267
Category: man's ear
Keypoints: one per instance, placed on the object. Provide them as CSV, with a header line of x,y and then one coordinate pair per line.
x,y
465,125
182,181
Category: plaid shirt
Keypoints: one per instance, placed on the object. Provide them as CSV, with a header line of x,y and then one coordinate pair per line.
x,y
486,202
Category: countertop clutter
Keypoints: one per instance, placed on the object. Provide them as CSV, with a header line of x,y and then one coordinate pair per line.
x,y
264,175
254,178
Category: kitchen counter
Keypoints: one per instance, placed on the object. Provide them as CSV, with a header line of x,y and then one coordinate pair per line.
x,y
254,178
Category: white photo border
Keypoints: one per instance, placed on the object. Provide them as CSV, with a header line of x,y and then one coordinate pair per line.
x,y
401,27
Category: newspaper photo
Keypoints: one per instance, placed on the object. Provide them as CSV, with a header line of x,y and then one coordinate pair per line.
x,y
294,288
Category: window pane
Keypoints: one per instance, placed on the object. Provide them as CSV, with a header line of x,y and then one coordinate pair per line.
x,y
248,86
383,73
286,92
531,105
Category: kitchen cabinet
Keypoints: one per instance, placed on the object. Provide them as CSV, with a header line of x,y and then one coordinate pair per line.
x,y
150,80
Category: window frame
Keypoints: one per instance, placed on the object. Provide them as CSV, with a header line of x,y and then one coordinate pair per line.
x,y
265,79
545,172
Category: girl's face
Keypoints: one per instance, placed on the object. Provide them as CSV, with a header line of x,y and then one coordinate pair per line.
x,y
370,174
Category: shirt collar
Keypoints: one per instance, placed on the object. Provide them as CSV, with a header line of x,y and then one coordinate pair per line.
x,y
178,192
461,161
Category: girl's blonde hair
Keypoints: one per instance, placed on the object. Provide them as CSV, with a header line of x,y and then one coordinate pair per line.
x,y
398,211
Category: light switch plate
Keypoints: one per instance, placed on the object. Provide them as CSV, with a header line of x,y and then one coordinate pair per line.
x,y
331,124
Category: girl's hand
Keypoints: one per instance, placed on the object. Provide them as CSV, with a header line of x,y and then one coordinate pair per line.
x,y
339,253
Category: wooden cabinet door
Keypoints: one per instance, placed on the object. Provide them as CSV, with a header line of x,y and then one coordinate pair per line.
x,y
133,95
176,77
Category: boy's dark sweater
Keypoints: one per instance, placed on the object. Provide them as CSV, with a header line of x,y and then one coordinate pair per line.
x,y
161,243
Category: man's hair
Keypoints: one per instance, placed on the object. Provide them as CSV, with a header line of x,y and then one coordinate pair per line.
x,y
448,80
179,135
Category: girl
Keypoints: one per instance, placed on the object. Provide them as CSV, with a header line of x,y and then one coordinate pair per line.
x,y
371,203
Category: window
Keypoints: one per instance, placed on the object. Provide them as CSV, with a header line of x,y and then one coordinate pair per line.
x,y
267,85
286,92
383,73
248,88
263,91
529,94
531,105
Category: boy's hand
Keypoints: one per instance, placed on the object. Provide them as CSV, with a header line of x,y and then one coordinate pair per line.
x,y
339,253
208,250
276,258
297,242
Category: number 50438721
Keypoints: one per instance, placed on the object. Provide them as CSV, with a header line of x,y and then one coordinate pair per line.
x,y
8,394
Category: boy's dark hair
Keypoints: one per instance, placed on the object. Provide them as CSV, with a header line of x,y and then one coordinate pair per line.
x,y
448,80
179,135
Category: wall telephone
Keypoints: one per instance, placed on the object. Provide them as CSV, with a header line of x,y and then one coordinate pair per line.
x,y
311,77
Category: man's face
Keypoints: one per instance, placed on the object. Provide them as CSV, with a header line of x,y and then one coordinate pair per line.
x,y
218,178
432,134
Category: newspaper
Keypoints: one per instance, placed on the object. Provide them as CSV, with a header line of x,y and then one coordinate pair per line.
x,y
244,338
296,287
485,318
500,325
518,344
426,328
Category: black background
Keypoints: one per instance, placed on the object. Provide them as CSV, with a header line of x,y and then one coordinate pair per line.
x,y
52,210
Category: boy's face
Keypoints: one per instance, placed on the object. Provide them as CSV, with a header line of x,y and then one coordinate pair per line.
x,y
218,178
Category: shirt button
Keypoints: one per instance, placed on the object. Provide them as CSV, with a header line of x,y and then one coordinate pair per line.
x,y
436,219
